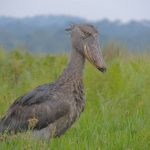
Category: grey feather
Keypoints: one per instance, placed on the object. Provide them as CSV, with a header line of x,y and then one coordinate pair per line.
x,y
54,107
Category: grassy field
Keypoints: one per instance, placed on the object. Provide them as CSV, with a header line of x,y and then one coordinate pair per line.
x,y
117,113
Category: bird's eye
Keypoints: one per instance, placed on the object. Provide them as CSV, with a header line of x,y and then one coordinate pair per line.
x,y
86,35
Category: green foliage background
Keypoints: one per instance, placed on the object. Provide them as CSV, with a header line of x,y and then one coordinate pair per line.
x,y
117,111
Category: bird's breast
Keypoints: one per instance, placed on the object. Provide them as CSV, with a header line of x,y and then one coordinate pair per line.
x,y
77,99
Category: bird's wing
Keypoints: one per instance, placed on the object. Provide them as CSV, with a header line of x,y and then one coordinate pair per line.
x,y
40,94
35,110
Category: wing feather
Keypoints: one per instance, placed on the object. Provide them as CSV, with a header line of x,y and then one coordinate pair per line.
x,y
38,105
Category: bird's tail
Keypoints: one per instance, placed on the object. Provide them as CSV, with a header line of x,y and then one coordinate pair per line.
x,y
3,128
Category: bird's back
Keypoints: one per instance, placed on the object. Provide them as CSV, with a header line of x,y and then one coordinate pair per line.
x,y
57,104
40,104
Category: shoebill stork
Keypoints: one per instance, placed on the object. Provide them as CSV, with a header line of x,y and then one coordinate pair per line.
x,y
50,109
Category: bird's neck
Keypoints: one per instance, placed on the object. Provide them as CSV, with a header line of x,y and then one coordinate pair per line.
x,y
75,66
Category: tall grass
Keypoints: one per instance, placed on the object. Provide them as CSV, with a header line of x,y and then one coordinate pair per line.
x,y
117,111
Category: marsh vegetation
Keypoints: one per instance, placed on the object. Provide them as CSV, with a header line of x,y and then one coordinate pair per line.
x,y
117,110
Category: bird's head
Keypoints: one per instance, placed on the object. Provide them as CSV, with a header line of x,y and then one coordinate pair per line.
x,y
85,39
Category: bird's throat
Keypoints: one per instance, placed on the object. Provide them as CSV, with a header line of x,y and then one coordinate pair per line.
x,y
75,66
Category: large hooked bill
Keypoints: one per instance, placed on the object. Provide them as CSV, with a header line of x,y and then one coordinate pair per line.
x,y
93,53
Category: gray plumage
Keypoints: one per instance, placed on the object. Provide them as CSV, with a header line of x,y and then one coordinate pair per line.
x,y
50,109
